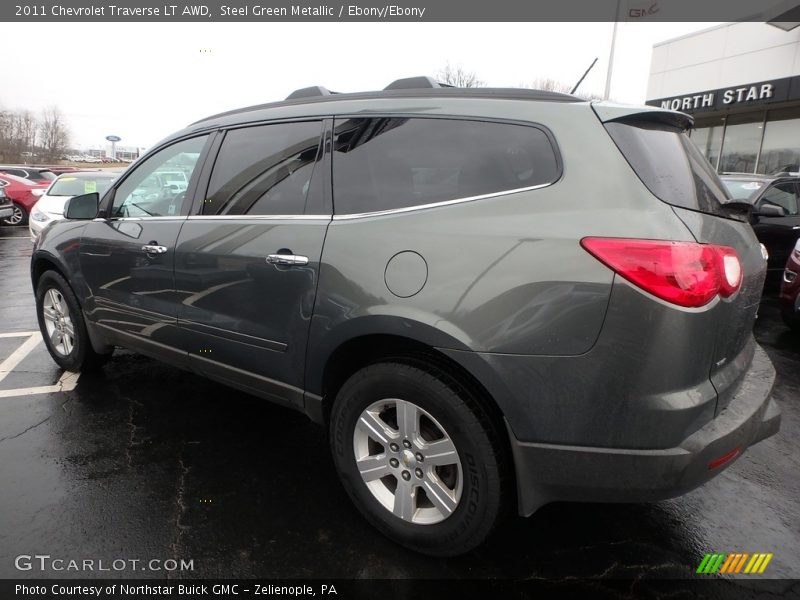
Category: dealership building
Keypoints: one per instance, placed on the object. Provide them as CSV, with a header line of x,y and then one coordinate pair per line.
x,y
741,83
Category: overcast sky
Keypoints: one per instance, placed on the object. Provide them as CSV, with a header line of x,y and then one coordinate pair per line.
x,y
144,81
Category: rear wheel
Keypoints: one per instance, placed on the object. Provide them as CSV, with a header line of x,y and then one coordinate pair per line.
x,y
62,325
418,457
18,217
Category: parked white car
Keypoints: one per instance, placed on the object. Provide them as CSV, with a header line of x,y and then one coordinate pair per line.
x,y
50,207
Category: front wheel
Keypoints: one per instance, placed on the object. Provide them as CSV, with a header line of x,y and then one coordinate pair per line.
x,y
418,457
62,325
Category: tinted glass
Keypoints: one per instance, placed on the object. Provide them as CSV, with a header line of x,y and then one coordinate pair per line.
x,y
779,150
157,186
264,170
709,141
743,189
389,163
783,195
670,165
69,185
740,146
47,175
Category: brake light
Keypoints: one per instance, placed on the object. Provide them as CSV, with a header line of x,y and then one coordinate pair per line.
x,y
683,273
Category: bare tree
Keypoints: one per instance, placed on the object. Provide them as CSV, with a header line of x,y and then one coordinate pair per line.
x,y
548,84
27,131
459,77
54,132
18,131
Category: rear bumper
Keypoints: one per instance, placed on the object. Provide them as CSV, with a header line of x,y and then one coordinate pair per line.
x,y
550,472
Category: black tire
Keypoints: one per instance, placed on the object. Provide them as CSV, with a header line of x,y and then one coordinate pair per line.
x,y
484,490
20,217
82,357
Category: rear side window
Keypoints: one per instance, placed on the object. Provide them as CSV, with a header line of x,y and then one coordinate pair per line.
x,y
670,165
783,195
397,162
264,170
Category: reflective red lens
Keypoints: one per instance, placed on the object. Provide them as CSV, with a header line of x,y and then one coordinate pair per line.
x,y
683,273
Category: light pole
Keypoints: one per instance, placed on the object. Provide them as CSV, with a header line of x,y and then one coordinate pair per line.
x,y
611,54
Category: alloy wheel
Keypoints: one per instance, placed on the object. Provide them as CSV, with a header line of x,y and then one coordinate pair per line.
x,y
15,218
408,461
58,323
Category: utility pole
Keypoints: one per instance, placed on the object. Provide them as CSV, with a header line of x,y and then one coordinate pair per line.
x,y
610,69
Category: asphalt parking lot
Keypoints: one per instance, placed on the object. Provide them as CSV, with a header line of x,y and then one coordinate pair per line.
x,y
147,461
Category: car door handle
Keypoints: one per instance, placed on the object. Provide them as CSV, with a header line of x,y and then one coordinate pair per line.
x,y
287,259
154,249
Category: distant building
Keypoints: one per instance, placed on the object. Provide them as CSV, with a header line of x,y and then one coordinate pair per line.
x,y
123,152
741,82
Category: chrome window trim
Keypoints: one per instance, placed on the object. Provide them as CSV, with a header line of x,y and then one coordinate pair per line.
x,y
260,217
162,218
392,211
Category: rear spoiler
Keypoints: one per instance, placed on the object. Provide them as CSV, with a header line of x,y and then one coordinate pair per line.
x,y
608,112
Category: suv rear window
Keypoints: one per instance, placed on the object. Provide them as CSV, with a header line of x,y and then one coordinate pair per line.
x,y
669,164
398,162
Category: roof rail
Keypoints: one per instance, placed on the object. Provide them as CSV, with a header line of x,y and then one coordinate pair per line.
x,y
414,83
310,92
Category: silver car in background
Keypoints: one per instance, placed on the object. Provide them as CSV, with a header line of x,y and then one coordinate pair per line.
x,y
50,206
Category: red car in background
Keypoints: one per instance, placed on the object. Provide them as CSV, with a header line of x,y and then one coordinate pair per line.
x,y
790,290
23,193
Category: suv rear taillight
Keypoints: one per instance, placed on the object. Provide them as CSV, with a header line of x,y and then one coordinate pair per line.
x,y
683,273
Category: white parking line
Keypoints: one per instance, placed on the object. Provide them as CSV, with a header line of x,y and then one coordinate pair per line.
x,y
9,364
65,383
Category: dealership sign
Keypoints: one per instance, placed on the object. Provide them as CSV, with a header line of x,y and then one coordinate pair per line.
x,y
764,92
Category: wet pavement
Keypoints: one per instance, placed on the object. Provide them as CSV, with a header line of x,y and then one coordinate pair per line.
x,y
145,461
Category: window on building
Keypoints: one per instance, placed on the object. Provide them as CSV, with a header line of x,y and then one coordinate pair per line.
x,y
399,162
741,143
781,148
708,138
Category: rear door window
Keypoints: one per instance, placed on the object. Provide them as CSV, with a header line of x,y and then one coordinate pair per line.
x,y
264,170
669,164
399,162
783,195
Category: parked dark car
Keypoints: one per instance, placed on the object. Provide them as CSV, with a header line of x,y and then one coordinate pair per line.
x,y
6,206
790,290
494,299
35,174
775,216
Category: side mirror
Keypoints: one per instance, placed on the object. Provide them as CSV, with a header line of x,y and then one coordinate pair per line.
x,y
83,207
770,210
739,210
